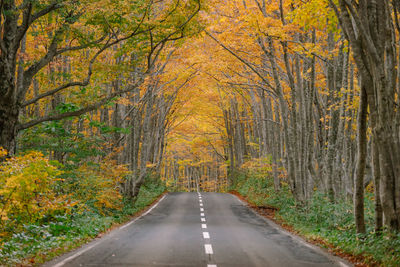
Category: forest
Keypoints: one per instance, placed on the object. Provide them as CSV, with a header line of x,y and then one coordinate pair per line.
x,y
292,104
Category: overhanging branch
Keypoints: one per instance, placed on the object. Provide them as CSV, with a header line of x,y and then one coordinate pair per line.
x,y
241,60
76,113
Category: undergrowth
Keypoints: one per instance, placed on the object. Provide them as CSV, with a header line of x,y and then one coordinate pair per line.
x,y
41,241
321,219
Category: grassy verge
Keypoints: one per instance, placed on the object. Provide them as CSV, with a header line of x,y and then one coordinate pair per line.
x,y
39,243
324,223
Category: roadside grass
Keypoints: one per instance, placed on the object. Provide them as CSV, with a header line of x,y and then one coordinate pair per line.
x,y
330,225
37,243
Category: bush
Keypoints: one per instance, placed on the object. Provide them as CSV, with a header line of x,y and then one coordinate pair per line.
x,y
26,190
44,240
98,184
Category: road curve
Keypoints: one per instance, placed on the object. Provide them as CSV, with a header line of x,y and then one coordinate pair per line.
x,y
198,229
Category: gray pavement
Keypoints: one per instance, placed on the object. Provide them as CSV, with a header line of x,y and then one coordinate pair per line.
x,y
177,232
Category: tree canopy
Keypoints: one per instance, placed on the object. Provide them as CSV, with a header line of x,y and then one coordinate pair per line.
x,y
100,96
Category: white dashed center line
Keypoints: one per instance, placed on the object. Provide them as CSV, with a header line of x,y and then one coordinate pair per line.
x,y
206,235
208,249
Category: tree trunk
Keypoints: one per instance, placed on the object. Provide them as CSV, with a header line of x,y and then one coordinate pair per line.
x,y
8,126
361,161
377,183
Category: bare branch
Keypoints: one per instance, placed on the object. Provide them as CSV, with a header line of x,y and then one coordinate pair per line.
x,y
242,60
160,45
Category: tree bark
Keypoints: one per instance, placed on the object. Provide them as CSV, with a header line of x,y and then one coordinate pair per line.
x,y
361,162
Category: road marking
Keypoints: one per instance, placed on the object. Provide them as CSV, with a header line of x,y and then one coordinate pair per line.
x,y
144,214
202,214
80,252
201,204
200,200
208,249
203,225
203,219
206,235
211,265
61,263
201,209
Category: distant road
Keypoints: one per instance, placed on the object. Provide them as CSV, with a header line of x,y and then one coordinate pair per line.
x,y
198,229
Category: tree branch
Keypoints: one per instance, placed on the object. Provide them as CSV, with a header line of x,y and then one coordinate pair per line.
x,y
160,45
29,18
70,84
46,59
79,47
363,31
36,67
75,113
241,60
52,92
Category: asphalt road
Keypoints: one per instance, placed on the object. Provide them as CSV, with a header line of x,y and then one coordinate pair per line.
x,y
198,229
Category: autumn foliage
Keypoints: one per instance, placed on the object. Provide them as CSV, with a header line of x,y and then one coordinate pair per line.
x,y
27,184
98,97
100,184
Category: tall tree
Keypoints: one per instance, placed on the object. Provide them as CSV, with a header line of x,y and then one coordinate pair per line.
x,y
76,26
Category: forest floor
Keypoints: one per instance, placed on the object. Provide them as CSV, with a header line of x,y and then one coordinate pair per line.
x,y
325,224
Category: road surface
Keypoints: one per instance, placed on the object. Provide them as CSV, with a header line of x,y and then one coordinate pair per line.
x,y
198,229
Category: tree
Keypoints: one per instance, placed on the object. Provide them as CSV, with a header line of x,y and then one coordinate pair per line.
x,y
75,26
371,28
